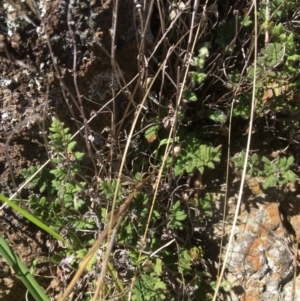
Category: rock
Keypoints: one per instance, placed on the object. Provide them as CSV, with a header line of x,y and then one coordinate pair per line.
x,y
260,261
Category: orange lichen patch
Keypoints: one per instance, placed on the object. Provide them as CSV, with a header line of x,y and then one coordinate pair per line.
x,y
272,215
250,227
253,289
277,276
254,255
262,230
252,298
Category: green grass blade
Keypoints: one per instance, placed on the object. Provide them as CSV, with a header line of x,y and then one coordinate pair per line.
x,y
33,219
138,290
15,262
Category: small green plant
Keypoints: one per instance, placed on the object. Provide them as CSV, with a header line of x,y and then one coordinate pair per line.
x,y
277,66
176,217
189,96
150,286
204,204
275,173
62,194
196,155
66,167
199,61
58,195
43,182
216,116
189,258
108,188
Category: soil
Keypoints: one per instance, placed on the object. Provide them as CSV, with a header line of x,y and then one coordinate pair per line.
x,y
29,244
